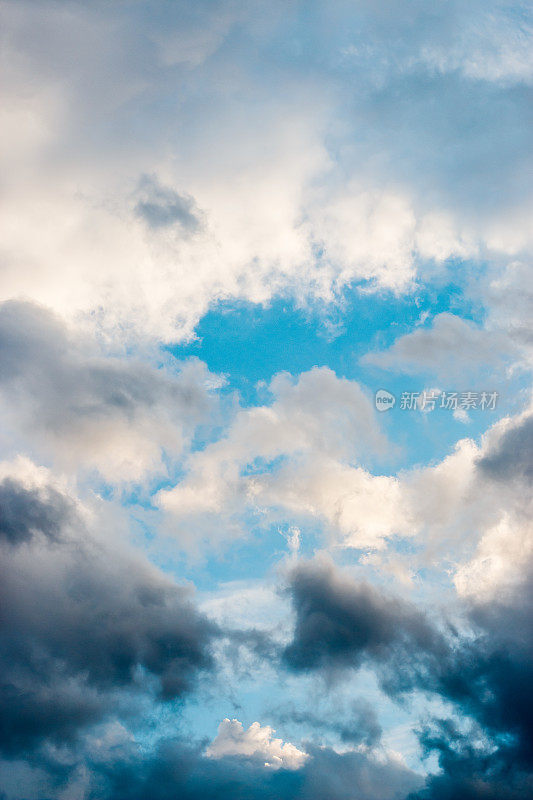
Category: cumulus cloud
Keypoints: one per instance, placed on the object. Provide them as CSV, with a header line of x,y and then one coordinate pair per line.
x,y
473,508
163,158
501,477
297,460
315,418
25,511
358,508
256,743
469,513
86,409
511,456
487,678
509,299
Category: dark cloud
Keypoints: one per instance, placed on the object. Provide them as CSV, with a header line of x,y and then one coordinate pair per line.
x,y
82,621
486,673
512,456
469,772
41,704
181,771
340,623
490,676
27,511
161,207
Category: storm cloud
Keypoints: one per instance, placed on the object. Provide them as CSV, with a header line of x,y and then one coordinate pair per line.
x,y
178,770
485,671
341,623
82,621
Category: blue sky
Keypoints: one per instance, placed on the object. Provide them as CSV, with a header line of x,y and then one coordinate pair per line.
x,y
227,226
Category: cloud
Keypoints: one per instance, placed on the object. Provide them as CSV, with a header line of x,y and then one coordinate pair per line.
x,y
163,158
360,725
482,668
512,455
359,509
452,347
255,743
298,461
314,168
84,619
267,457
179,768
25,512
160,207
491,504
487,678
469,513
341,624
501,476
86,409
509,300
471,773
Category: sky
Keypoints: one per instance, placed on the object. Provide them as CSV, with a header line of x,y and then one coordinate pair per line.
x,y
266,424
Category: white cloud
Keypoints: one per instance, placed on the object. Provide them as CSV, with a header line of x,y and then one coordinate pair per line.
x,y
461,415
257,743
458,518
490,47
360,509
502,558
291,454
306,179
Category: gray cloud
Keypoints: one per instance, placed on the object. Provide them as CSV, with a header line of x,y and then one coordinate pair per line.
x,y
488,679
341,624
25,512
115,414
162,207
471,773
451,347
512,456
485,674
179,770
82,621
360,724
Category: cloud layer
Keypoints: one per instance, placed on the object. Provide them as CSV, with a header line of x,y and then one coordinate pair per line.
x,y
201,524
301,169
